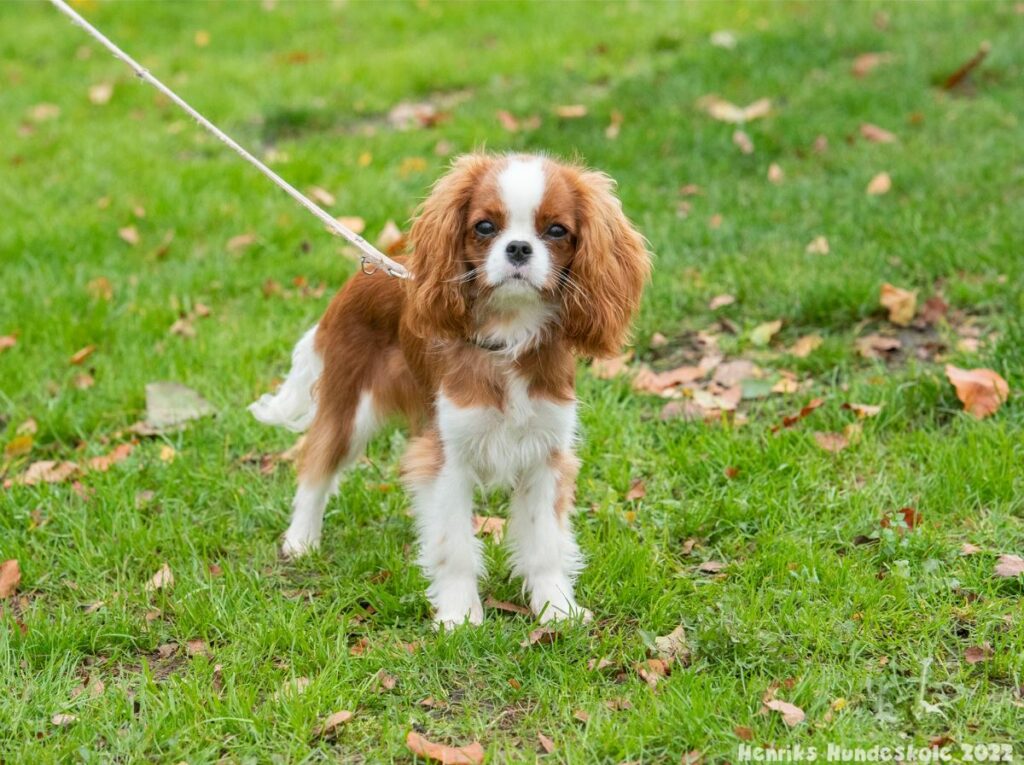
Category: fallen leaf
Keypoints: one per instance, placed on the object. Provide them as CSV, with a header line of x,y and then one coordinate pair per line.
x,y
876,134
606,369
332,723
877,346
934,309
866,62
743,142
831,442
202,38
83,381
673,646
734,372
763,333
44,112
47,471
968,549
743,732
571,111
711,566
545,743
1009,566
104,462
618,705
880,184
720,301
391,239
614,126
658,340
652,670
693,757
167,453
660,383
130,234
690,190
322,196
806,345
18,446
292,688
681,410
484,525
162,579
724,111
961,74
791,714
10,578
7,341
386,680
354,224
901,304
982,391
790,420
541,635
775,173
64,719
637,489
910,516
863,411
581,715
504,605
101,92
81,355
473,754
170,404
100,288
715,221
241,241
817,246
978,653
359,647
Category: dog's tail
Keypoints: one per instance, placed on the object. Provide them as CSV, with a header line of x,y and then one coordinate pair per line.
x,y
293,406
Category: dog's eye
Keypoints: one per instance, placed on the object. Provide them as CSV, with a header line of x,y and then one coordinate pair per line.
x,y
485,228
556,231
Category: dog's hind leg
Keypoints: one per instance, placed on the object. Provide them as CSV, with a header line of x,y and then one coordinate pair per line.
x,y
336,439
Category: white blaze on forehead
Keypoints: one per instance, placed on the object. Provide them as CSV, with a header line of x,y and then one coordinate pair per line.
x,y
522,188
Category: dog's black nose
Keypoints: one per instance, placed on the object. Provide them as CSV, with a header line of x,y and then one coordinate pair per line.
x,y
518,252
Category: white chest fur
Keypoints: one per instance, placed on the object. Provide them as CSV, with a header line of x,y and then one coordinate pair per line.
x,y
499,445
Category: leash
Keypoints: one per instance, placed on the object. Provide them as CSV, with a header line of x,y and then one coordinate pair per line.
x,y
371,259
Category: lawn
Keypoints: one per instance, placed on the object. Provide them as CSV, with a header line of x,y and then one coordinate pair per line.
x,y
122,220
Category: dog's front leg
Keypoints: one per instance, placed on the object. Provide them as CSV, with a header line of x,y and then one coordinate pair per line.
x,y
450,554
544,550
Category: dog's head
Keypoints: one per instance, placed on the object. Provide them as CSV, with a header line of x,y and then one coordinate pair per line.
x,y
525,236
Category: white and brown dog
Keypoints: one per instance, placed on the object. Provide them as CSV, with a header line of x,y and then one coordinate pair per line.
x,y
519,262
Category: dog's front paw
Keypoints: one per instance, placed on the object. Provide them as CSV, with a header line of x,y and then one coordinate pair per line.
x,y
554,602
295,546
458,604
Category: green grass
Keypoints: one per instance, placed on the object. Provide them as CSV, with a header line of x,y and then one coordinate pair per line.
x,y
883,626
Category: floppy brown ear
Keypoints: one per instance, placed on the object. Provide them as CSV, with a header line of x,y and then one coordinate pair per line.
x,y
610,267
437,293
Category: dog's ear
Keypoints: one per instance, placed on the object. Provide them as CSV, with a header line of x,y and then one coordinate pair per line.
x,y
438,306
610,266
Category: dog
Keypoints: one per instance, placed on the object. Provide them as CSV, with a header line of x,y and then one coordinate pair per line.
x,y
520,263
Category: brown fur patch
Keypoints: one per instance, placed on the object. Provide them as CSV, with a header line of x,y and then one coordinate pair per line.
x,y
423,459
567,466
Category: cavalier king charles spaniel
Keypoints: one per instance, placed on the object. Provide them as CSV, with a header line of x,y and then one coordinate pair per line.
x,y
519,264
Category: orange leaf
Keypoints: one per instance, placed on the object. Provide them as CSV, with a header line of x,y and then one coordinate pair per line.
x,y
720,301
82,354
865,62
7,341
489,526
637,489
446,755
47,471
10,578
546,743
880,184
981,391
333,722
876,134
791,714
900,303
104,462
504,605
571,111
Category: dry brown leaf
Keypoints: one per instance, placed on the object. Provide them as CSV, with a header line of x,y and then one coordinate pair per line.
x,y
545,743
982,391
504,605
743,732
241,241
104,462
652,670
876,134
658,340
10,578
541,635
687,411
606,369
660,383
734,372
18,446
978,653
571,111
968,549
791,714
47,471
880,184
64,719
775,173
743,142
818,246
322,196
386,680
637,489
693,757
763,333
332,723
473,754
162,579
961,73
618,705
614,126
711,566
877,346
831,442
7,341
486,525
130,234
866,62
901,303
353,223
100,288
101,92
863,411
673,646
934,309
391,239
724,111
792,419
81,355
581,715
83,381
44,112
715,221
720,301
806,345
1009,566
